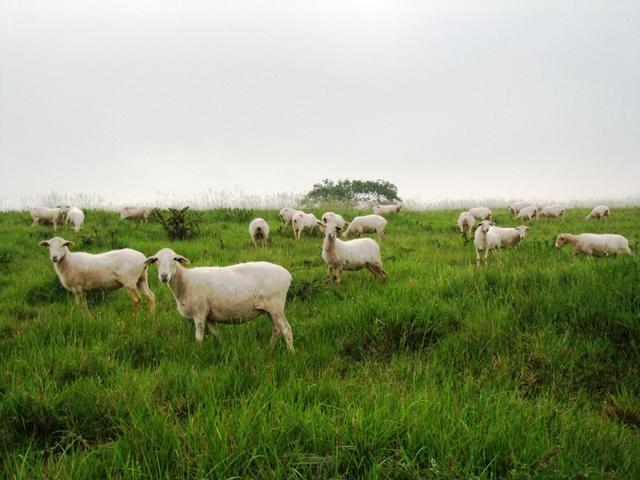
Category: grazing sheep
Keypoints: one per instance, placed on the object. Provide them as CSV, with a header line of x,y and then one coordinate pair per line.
x,y
384,209
481,213
136,213
366,224
599,213
595,244
485,238
80,272
286,215
233,294
351,255
302,221
552,211
75,215
528,213
511,236
47,215
465,223
334,218
515,208
259,230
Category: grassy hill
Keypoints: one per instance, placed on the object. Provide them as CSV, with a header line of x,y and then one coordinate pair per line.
x,y
528,368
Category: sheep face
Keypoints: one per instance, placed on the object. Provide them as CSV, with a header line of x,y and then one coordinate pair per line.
x,y
167,261
485,225
57,248
332,231
561,240
522,230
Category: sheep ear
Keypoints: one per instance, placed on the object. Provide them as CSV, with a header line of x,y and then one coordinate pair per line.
x,y
182,260
150,260
68,243
44,243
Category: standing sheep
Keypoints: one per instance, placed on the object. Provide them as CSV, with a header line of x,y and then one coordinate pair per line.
x,y
286,215
47,215
511,236
528,213
465,223
485,238
595,244
515,208
136,213
385,209
80,272
599,213
366,224
334,218
231,295
259,230
75,215
302,221
351,255
481,213
552,211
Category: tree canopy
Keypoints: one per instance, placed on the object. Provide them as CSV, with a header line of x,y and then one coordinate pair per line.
x,y
380,191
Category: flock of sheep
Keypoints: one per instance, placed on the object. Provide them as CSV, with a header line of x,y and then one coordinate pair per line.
x,y
238,293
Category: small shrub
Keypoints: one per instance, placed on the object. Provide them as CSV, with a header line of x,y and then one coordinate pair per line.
x,y
179,224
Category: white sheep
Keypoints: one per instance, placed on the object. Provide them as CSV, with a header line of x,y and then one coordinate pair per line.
x,y
233,294
481,213
286,215
47,215
75,215
351,255
515,208
595,244
136,213
552,211
333,218
384,209
366,224
302,221
80,272
485,238
599,213
528,213
465,223
259,230
510,236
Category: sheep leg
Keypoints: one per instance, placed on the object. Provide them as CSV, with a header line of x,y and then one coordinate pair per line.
x,y
276,331
477,257
486,254
55,225
199,323
136,297
284,328
81,300
328,277
381,235
381,273
253,240
143,285
35,221
211,326
338,275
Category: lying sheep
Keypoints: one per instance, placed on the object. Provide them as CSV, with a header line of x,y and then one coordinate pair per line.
x,y
515,208
47,215
599,213
595,244
485,238
286,215
528,213
80,272
259,230
351,255
465,223
366,224
233,294
552,211
481,213
384,209
136,213
333,218
511,236
75,215
302,221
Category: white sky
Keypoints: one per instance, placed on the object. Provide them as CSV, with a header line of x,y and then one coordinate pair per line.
x,y
445,99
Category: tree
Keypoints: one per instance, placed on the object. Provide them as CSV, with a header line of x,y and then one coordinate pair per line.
x,y
353,191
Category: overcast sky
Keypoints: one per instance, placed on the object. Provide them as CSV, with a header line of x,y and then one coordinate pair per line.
x,y
445,99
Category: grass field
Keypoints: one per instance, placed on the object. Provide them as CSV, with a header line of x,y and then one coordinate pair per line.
x,y
528,368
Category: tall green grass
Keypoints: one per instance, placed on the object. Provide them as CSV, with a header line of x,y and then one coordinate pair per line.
x,y
528,368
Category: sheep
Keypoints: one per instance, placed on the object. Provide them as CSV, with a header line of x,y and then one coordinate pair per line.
x,y
485,238
528,213
334,218
233,294
302,221
366,224
136,213
384,209
511,236
75,215
47,215
595,244
80,272
351,255
552,211
259,230
465,223
599,213
515,208
481,213
286,215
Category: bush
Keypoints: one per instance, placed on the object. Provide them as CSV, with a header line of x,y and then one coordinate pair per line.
x,y
179,224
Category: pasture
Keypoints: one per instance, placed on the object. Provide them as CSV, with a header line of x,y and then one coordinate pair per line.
x,y
526,368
